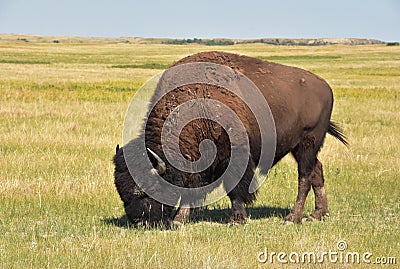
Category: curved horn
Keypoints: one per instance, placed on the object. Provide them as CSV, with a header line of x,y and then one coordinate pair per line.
x,y
161,168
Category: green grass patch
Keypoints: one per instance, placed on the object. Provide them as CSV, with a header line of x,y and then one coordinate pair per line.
x,y
13,61
301,58
143,66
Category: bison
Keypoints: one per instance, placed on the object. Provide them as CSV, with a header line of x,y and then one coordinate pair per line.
x,y
301,105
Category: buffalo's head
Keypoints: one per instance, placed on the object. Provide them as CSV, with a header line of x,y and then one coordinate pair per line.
x,y
140,208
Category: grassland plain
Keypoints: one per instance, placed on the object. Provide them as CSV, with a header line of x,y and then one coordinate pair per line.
x,y
61,114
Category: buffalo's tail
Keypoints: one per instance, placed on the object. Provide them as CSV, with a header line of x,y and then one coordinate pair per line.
x,y
337,132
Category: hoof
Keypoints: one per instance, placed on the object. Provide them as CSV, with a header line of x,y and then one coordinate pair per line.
x,y
325,216
318,215
236,219
287,222
311,219
234,224
177,223
292,218
238,216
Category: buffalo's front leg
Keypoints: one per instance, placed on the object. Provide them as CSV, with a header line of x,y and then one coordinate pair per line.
x,y
182,215
238,214
240,195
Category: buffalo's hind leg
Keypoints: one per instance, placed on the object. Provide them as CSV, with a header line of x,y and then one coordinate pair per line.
x,y
309,175
321,201
304,186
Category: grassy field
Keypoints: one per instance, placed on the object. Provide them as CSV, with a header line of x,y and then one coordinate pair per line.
x,y
61,114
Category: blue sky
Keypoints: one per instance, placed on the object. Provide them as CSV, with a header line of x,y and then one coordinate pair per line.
x,y
378,19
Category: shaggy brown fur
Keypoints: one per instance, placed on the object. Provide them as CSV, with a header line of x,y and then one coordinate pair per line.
x,y
301,104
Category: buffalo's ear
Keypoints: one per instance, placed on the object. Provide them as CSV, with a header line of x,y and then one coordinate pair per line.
x,y
117,149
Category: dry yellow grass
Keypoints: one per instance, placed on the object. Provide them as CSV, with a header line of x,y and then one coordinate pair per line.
x,y
61,114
